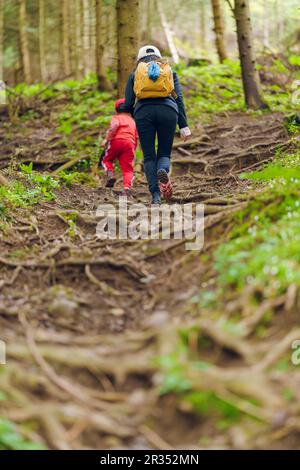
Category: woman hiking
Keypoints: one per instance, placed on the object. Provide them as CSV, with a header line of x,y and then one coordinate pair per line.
x,y
153,96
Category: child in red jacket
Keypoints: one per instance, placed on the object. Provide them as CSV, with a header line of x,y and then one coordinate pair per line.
x,y
120,144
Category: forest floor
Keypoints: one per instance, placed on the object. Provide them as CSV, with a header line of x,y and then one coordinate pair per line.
x,y
91,326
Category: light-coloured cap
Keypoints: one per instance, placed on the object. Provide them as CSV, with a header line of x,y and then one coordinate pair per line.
x,y
148,50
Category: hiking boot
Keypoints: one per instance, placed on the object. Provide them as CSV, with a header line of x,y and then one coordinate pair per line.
x,y
111,179
156,198
165,184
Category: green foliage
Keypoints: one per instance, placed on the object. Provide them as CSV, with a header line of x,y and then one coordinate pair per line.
x,y
292,124
274,172
36,187
294,60
212,89
218,88
3,211
11,439
72,177
70,85
267,256
173,377
87,108
264,249
65,127
18,195
44,184
175,367
27,169
207,402
139,154
71,219
38,89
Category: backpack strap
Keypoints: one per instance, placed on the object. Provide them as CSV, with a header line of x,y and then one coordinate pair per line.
x,y
173,93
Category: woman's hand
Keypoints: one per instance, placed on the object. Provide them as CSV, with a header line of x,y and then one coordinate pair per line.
x,y
185,133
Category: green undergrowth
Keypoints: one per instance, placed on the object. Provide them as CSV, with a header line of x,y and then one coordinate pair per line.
x,y
11,439
208,89
94,111
178,371
262,249
84,106
261,256
81,112
218,88
33,187
211,89
10,436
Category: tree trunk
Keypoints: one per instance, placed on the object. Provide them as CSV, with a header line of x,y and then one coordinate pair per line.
x,y
148,29
247,56
65,39
127,31
279,20
103,83
72,34
219,29
1,41
93,33
168,33
42,40
266,24
203,25
78,39
86,36
25,56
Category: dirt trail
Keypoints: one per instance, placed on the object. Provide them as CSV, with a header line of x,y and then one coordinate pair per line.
x,y
83,318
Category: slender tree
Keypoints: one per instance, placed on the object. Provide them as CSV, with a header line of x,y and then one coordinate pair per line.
x,y
86,36
127,40
109,32
3,180
25,56
219,29
1,38
2,86
203,20
266,24
241,11
279,19
78,55
42,40
168,32
72,34
103,83
65,38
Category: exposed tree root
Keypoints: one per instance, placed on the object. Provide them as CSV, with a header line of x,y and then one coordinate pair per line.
x,y
86,374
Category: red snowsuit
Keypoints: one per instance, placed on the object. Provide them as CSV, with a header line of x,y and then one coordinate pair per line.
x,y
122,140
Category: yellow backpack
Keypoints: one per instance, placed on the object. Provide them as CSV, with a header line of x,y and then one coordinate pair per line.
x,y
144,87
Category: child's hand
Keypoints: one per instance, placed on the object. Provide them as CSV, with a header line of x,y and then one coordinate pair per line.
x,y
103,143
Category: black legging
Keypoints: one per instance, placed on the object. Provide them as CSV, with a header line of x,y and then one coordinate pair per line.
x,y
152,120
